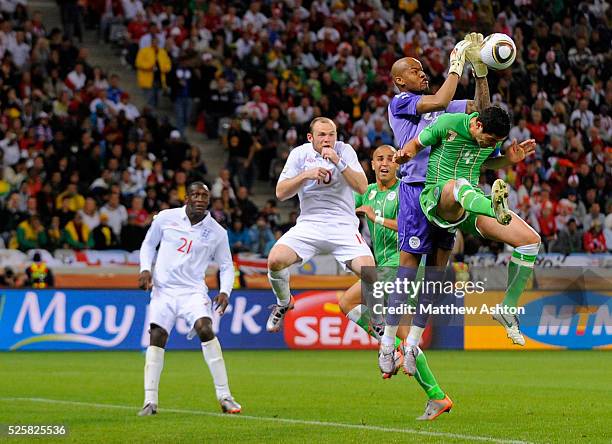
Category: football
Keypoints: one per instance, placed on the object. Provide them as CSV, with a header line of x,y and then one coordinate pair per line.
x,y
498,51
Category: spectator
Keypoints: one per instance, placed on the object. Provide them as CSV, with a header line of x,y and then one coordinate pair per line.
x,y
218,213
55,237
247,207
75,200
547,223
593,215
569,239
76,234
223,182
103,237
239,238
90,213
153,64
30,234
132,234
10,279
380,134
519,132
261,235
594,239
116,213
182,93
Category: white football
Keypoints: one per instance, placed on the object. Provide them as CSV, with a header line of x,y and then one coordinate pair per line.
x,y
498,51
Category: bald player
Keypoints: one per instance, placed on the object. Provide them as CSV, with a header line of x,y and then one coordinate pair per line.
x,y
380,205
411,111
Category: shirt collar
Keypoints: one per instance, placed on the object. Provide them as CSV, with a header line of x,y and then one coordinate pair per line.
x,y
186,218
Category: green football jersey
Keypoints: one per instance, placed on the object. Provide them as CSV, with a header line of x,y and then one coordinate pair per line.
x,y
454,152
384,240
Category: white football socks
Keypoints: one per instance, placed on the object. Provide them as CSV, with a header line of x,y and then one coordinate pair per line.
x,y
415,334
389,336
154,363
356,312
279,280
214,359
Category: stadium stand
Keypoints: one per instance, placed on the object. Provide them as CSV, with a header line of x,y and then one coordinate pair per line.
x,y
82,168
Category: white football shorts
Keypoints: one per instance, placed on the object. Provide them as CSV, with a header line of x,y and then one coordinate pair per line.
x,y
309,239
169,304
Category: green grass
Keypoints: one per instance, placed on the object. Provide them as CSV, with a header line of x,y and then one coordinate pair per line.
x,y
530,396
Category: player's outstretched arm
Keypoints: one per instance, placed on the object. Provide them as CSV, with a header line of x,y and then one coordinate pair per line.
x,y
408,151
440,100
515,153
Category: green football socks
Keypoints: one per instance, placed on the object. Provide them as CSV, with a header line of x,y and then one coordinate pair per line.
x,y
520,269
426,379
474,201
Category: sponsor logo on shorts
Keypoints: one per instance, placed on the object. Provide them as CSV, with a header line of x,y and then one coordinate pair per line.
x,y
436,193
414,242
392,195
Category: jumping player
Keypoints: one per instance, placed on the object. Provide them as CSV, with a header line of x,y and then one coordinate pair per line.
x,y
188,238
460,145
324,173
409,112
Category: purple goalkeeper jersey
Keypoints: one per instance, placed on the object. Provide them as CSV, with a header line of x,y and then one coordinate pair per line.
x,y
407,123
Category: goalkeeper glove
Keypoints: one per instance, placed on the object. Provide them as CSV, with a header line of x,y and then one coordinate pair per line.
x,y
457,58
473,54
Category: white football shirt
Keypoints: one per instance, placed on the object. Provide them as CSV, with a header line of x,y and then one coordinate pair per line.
x,y
185,251
329,200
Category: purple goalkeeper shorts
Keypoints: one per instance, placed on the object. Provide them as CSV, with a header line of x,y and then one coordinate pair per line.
x,y
415,234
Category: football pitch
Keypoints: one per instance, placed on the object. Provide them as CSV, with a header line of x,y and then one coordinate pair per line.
x,y
312,396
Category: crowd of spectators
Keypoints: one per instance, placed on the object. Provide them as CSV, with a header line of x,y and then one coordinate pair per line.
x,y
83,168
80,166
258,73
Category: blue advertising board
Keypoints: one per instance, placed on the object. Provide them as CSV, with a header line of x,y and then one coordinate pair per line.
x,y
114,319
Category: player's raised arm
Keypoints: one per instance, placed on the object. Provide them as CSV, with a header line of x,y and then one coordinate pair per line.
x,y
408,151
482,98
430,136
147,253
441,99
349,166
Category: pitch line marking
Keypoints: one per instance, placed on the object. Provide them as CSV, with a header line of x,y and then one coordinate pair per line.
x,y
272,419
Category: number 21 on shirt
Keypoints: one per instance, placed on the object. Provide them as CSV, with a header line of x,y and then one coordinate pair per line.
x,y
186,244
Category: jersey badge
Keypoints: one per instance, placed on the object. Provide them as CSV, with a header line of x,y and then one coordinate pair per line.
x,y
451,136
392,195
414,242
372,194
